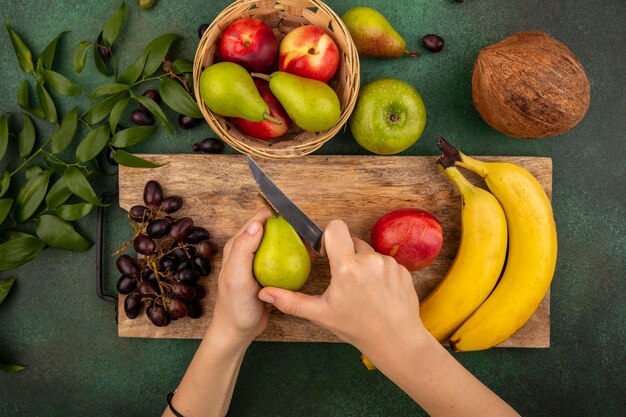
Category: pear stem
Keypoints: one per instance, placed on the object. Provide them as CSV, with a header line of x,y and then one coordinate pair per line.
x,y
412,53
272,119
261,76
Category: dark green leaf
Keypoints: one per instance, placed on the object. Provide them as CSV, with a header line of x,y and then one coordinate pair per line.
x,y
47,56
59,233
60,84
156,51
63,137
4,134
130,74
5,182
102,109
19,250
5,287
129,160
58,194
30,196
11,368
32,170
132,136
72,212
80,56
175,96
181,66
100,64
47,104
116,112
93,143
26,138
156,111
78,184
108,89
5,207
22,96
114,25
24,56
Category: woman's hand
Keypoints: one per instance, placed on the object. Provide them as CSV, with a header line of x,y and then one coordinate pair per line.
x,y
239,315
370,303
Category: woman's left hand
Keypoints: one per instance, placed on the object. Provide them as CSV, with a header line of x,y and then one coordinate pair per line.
x,y
239,314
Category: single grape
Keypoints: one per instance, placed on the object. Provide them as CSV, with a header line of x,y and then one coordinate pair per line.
x,y
183,291
176,308
158,316
147,289
208,145
181,228
199,291
153,94
197,235
194,310
202,28
206,249
172,204
144,245
126,285
186,122
202,265
168,263
127,266
132,305
158,228
139,213
188,276
179,253
153,193
141,117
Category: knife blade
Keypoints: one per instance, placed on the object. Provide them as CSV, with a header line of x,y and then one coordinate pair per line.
x,y
303,224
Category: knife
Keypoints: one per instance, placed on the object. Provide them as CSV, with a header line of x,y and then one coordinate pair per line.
x,y
303,224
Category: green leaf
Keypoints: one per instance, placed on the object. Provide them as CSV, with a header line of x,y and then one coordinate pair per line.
x,y
11,368
32,170
80,56
156,51
108,89
132,136
19,250
129,160
63,137
130,74
24,56
58,194
175,96
5,207
93,143
30,196
60,84
78,184
47,56
5,287
5,182
155,109
26,138
100,64
22,96
116,112
59,233
4,135
181,66
113,26
102,109
47,104
72,212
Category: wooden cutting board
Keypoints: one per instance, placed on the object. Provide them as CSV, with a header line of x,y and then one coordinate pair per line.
x,y
220,194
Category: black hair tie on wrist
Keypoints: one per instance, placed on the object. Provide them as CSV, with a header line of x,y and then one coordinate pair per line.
x,y
169,404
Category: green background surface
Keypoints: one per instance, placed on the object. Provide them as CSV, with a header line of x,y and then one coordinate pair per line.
x,y
54,323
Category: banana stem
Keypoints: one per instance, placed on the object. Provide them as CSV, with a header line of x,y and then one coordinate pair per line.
x,y
261,76
451,156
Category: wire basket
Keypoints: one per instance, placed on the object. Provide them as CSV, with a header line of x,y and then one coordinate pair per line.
x,y
282,17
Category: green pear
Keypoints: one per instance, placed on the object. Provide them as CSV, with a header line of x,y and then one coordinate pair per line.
x,y
373,35
311,104
228,90
282,259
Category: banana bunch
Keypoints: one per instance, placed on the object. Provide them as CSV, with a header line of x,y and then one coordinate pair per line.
x,y
463,306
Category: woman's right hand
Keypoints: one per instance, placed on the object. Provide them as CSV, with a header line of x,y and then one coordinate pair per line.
x,y
370,303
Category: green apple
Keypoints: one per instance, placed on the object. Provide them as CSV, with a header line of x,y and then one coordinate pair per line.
x,y
389,116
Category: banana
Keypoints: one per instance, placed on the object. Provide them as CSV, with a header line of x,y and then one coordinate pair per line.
x,y
478,262
531,255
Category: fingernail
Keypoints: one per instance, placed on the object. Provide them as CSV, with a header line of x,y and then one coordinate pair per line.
x,y
252,228
266,297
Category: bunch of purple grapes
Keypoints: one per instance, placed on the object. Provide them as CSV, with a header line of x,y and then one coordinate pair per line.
x,y
176,254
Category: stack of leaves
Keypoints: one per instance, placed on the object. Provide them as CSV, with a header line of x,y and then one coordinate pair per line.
x,y
44,188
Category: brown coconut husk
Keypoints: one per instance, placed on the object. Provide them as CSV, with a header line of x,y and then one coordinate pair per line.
x,y
530,85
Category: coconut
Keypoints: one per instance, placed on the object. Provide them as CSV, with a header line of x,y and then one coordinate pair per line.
x,y
530,85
